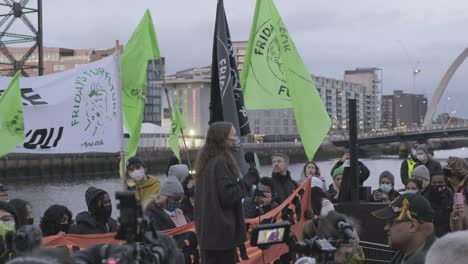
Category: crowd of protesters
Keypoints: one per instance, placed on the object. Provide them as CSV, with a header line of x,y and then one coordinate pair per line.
x,y
218,199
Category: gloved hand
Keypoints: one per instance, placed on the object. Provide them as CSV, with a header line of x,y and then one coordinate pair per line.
x,y
252,177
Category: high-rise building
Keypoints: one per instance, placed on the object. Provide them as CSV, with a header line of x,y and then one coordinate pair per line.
x,y
154,75
402,109
192,90
371,78
240,50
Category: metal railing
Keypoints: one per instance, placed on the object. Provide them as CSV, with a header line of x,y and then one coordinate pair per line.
x,y
376,253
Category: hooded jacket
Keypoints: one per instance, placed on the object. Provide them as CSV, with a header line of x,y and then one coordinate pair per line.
x,y
86,224
151,186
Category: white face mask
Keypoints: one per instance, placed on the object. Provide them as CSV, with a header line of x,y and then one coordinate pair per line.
x,y
421,157
138,175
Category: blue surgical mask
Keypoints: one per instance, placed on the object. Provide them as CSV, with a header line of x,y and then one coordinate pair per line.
x,y
171,206
386,188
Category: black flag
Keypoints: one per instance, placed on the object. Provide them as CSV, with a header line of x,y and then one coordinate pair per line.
x,y
227,100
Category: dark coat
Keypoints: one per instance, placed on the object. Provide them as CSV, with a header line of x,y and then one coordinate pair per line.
x,y
252,209
283,186
363,171
418,258
433,166
331,193
442,205
158,218
86,224
219,219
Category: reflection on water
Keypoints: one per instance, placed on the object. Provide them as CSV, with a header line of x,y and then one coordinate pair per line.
x,y
71,194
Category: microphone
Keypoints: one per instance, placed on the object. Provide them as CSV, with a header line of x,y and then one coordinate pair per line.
x,y
249,157
339,222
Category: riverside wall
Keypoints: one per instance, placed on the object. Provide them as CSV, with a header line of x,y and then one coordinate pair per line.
x,y
28,167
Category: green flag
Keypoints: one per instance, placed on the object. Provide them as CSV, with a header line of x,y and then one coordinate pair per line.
x,y
274,76
11,117
177,126
141,47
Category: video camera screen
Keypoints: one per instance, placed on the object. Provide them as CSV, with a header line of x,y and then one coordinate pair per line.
x,y
271,236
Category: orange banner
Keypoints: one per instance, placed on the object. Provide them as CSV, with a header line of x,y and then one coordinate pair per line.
x,y
292,209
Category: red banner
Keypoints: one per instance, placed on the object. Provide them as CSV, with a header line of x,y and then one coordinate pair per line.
x,y
292,209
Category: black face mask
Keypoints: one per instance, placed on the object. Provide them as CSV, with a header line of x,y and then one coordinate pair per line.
x,y
438,189
64,227
103,213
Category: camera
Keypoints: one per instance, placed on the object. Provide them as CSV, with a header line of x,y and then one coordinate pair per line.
x,y
259,193
322,248
144,244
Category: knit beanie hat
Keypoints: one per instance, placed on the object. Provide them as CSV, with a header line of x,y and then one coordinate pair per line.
x,y
423,147
92,193
421,171
180,171
388,175
172,187
338,171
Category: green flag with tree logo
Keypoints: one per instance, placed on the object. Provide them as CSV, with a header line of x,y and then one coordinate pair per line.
x,y
11,117
274,76
141,47
177,126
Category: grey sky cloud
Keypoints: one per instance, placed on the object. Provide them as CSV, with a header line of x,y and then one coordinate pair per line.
x,y
332,36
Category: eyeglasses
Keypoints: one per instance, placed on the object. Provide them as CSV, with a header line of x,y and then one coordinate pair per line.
x,y
7,219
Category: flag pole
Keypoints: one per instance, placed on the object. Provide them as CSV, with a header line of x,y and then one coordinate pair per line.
x,y
161,69
123,175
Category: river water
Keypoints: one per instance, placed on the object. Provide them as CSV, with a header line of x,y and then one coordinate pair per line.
x,y
71,194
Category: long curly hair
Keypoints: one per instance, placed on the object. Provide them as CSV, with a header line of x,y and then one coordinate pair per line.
x,y
50,221
215,145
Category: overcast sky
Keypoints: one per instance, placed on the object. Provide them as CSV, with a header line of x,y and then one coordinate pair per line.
x,y
331,36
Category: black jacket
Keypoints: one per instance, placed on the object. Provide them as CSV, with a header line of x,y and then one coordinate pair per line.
x,y
433,166
363,171
283,186
442,205
219,220
252,209
331,193
158,218
86,224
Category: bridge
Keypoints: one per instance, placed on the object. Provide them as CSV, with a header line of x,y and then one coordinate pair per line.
x,y
410,134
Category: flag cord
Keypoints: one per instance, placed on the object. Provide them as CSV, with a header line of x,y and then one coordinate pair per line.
x,y
161,69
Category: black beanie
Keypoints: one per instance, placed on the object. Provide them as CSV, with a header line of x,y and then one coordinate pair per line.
x,y
92,193
10,209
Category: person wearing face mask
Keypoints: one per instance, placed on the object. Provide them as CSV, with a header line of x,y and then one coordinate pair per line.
x,y
408,164
334,188
441,199
97,219
181,172
164,211
413,186
23,212
56,219
145,185
386,192
421,173
424,158
456,171
219,190
8,220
